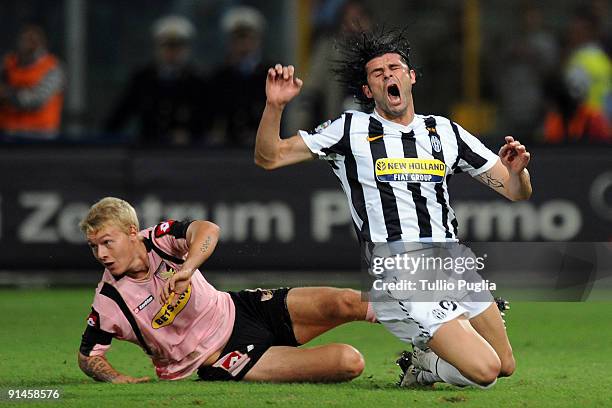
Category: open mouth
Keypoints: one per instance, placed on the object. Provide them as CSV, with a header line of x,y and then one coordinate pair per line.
x,y
108,265
393,93
393,90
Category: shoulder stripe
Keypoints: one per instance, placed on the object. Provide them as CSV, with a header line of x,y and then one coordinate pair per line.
x,y
340,147
459,144
465,152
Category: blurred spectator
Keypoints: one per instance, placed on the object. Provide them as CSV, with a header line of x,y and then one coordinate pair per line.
x,y
31,89
167,95
589,70
323,96
237,85
578,98
524,69
601,8
572,120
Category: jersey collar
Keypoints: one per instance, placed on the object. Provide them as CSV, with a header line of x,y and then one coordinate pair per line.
x,y
404,129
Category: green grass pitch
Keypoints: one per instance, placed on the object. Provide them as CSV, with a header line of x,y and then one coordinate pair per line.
x,y
563,352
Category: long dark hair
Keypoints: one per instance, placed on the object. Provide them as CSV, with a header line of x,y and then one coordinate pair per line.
x,y
357,49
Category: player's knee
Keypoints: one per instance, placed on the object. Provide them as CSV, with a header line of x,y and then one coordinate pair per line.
x,y
351,362
348,305
508,365
486,372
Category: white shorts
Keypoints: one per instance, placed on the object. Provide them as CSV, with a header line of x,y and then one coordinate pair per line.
x,y
413,311
417,322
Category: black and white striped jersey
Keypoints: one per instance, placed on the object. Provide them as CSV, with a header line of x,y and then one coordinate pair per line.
x,y
395,177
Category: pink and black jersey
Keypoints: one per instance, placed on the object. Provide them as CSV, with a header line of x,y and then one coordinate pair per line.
x,y
178,339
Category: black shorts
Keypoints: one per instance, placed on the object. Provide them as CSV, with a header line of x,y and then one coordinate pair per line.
x,y
262,321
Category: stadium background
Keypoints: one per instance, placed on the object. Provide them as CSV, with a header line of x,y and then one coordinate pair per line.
x,y
283,228
273,220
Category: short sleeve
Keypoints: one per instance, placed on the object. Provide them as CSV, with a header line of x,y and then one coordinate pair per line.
x,y
95,341
474,157
179,228
105,322
326,139
170,237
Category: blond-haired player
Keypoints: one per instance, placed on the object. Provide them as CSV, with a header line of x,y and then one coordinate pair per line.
x,y
152,294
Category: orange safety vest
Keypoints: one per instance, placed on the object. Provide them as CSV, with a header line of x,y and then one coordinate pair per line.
x,y
44,119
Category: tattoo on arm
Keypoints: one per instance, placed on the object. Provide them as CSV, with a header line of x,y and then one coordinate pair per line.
x,y
487,179
206,244
98,368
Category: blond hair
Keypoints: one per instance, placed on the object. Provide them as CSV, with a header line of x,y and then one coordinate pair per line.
x,y
109,210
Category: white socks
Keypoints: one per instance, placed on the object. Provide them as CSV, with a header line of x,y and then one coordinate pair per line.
x,y
443,371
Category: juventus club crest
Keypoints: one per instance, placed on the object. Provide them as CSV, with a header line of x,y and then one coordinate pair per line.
x,y
436,144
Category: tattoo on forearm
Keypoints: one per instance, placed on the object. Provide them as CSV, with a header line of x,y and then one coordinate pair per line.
x,y
490,181
98,368
206,244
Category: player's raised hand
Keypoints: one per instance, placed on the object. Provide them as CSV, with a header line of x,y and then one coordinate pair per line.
x,y
514,155
282,85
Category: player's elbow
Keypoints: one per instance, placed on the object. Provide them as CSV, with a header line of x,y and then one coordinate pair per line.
x,y
527,194
211,228
522,196
351,362
83,361
265,164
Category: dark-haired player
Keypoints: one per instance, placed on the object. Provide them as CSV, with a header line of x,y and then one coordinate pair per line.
x,y
152,294
394,165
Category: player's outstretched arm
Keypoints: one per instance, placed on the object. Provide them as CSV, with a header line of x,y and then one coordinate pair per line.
x,y
272,152
98,368
509,176
202,238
